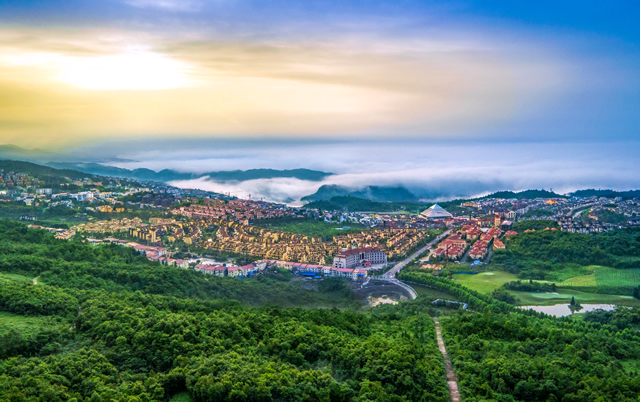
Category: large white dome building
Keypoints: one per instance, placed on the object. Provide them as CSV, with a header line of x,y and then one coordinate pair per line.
x,y
436,212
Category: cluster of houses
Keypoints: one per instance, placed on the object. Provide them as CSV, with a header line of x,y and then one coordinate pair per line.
x,y
235,209
481,246
455,246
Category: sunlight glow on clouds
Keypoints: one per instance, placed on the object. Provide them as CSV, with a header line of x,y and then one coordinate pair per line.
x,y
199,81
126,71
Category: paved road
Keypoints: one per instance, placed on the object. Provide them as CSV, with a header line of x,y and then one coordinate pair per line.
x,y
489,256
409,289
580,210
452,381
393,271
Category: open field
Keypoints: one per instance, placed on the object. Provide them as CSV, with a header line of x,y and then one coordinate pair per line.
x,y
485,282
579,281
563,296
605,279
22,324
617,278
568,271
601,278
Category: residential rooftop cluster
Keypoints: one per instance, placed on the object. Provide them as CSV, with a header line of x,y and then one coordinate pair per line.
x,y
236,209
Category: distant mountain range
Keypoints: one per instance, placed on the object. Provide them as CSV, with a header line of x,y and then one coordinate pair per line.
x,y
626,195
371,193
525,195
14,152
354,204
171,175
40,171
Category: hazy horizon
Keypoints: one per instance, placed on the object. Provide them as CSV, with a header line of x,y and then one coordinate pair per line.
x,y
433,170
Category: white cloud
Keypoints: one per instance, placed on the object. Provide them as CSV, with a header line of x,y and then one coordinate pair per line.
x,y
433,171
169,5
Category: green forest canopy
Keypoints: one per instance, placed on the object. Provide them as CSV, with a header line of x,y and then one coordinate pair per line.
x,y
106,324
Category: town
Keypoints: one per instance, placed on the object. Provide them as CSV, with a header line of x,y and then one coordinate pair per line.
x,y
207,232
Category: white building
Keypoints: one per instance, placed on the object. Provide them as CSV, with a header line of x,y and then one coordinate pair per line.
x,y
436,212
357,257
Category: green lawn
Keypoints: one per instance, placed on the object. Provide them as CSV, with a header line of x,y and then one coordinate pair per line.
x,y
605,279
617,278
485,282
567,271
563,296
580,281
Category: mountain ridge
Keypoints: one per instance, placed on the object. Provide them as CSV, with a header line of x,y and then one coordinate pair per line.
x,y
167,175
371,193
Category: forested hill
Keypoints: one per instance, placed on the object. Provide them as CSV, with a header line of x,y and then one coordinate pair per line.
x,y
524,195
166,175
540,254
355,204
626,195
40,171
101,323
371,193
105,324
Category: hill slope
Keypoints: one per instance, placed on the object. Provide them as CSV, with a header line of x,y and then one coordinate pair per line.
x,y
41,171
372,193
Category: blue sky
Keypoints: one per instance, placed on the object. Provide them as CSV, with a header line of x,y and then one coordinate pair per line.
x,y
518,70
563,75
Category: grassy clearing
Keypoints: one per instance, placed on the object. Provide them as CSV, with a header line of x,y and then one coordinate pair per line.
x,y
631,365
563,296
568,271
580,281
617,278
6,277
485,282
21,323
605,280
181,397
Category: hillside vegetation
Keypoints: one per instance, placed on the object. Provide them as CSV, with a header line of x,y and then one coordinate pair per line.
x,y
103,323
109,325
355,204
546,254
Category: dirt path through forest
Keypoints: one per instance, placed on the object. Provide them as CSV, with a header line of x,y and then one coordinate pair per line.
x,y
451,376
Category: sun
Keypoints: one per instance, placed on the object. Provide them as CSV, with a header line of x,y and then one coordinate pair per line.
x,y
128,71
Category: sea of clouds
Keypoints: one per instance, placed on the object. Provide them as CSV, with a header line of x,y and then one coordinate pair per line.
x,y
432,170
